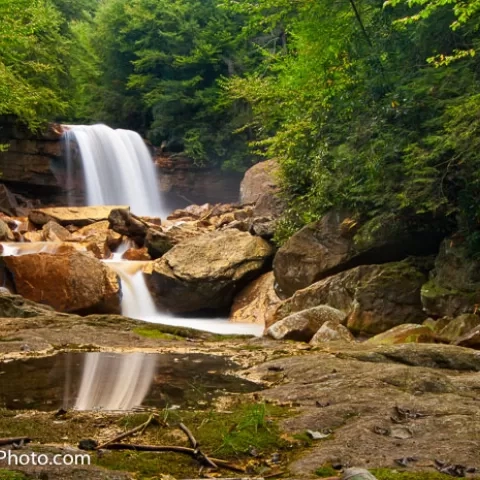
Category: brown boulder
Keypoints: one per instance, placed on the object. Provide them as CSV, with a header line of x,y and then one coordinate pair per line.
x,y
255,302
206,271
458,327
375,297
470,339
53,232
269,205
406,333
332,332
136,254
259,179
78,216
157,243
337,242
313,252
34,236
68,282
302,326
100,235
454,285
8,201
128,224
6,235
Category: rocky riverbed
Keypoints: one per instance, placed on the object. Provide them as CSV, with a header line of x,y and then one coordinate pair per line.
x,y
369,356
400,408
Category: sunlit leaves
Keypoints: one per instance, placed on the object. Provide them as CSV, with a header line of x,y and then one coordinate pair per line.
x,y
33,61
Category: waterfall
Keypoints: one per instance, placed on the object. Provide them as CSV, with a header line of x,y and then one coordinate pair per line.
x,y
136,299
117,166
137,303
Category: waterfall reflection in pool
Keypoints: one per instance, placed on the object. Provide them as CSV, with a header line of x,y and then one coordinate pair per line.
x,y
118,381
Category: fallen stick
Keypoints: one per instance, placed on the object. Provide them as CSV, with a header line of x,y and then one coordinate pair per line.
x,y
171,448
199,454
141,428
8,441
189,434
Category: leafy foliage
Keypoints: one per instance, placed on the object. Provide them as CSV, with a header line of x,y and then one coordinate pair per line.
x,y
33,61
158,65
363,116
367,106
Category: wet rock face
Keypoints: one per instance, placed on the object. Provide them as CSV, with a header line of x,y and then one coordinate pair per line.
x,y
182,183
374,297
32,164
454,286
205,272
68,282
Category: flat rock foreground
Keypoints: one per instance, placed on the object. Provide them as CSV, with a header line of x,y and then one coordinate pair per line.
x,y
406,411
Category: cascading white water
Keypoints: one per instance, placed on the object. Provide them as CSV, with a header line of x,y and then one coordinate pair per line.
x,y
137,303
118,168
136,299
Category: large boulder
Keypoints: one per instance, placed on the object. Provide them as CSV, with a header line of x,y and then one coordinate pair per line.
x,y
374,297
260,179
256,301
53,232
128,224
206,271
470,339
6,235
454,285
338,242
458,327
332,332
269,205
69,282
313,252
302,326
78,216
98,234
8,201
406,333
16,306
157,243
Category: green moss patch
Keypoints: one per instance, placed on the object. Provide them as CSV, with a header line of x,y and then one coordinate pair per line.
x,y
155,334
246,434
11,475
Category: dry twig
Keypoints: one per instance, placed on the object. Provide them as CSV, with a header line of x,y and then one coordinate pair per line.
x,y
141,428
172,448
11,440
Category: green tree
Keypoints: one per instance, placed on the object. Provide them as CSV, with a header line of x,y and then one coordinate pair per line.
x,y
33,61
158,66
359,117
